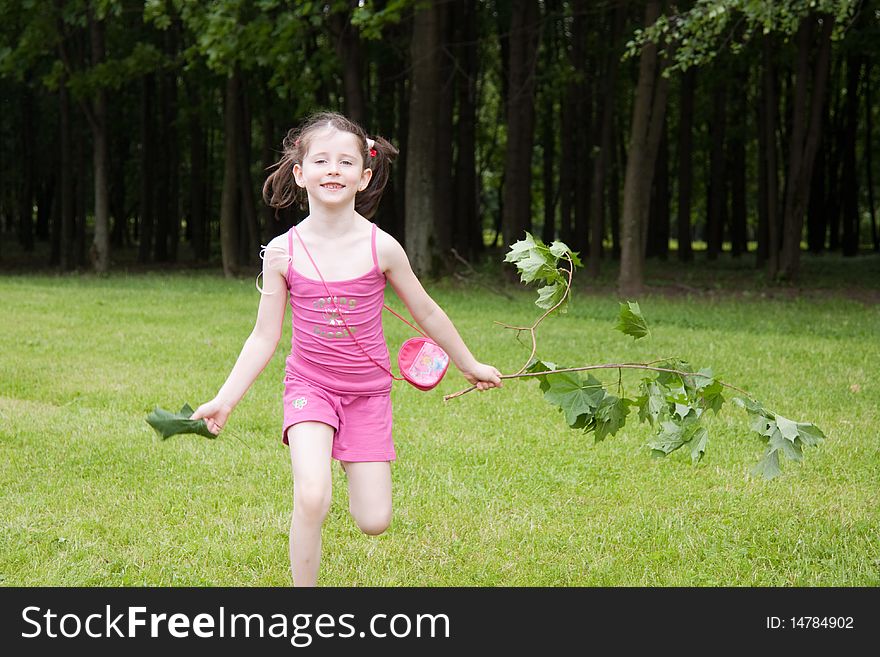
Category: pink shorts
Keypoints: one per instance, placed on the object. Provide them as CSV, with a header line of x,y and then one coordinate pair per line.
x,y
362,423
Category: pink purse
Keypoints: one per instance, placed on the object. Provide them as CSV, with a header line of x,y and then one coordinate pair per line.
x,y
421,361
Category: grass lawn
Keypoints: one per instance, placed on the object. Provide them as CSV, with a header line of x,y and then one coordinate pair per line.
x,y
490,489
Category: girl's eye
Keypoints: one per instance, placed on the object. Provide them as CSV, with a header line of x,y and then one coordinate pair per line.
x,y
346,162
320,161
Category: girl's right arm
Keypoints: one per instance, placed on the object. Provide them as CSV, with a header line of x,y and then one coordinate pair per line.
x,y
260,346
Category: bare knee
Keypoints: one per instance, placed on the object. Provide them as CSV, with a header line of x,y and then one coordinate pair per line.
x,y
374,521
311,500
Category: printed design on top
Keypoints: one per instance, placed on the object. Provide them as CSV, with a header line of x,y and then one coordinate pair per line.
x,y
299,402
334,309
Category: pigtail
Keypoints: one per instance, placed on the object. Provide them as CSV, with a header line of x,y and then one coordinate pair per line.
x,y
280,189
378,157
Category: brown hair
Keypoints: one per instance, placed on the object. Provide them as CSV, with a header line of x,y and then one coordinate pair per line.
x,y
280,189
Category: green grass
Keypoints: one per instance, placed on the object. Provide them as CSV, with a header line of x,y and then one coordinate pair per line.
x,y
490,489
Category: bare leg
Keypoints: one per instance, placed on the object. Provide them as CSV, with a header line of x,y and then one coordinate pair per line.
x,y
310,445
369,494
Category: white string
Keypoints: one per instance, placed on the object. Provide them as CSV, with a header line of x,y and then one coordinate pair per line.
x,y
286,257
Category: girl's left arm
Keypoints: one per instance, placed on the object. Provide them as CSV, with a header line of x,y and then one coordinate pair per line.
x,y
431,316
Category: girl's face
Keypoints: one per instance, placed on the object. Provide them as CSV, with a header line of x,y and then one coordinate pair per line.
x,y
332,171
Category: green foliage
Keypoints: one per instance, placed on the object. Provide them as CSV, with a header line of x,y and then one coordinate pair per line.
x,y
631,320
537,262
673,398
168,424
696,36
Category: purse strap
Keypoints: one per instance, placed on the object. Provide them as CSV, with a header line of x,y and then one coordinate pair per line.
x,y
330,298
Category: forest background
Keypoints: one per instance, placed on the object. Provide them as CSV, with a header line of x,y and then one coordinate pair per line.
x,y
140,133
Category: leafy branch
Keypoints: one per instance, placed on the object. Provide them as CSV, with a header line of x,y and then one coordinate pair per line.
x,y
673,398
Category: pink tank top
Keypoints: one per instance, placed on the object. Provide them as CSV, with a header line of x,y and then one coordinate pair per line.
x,y
321,350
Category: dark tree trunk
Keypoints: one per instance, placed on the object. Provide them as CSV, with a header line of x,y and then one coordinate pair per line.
x,y
385,108
198,219
249,247
28,168
81,194
833,138
566,173
658,225
229,203
517,213
849,182
583,128
548,147
121,148
685,164
604,153
272,224
817,224
148,171
869,141
649,109
717,194
422,200
163,170
737,152
443,222
67,209
468,235
347,42
173,207
770,116
101,155
806,133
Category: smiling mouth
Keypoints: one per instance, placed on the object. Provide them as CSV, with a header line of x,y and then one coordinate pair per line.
x,y
332,186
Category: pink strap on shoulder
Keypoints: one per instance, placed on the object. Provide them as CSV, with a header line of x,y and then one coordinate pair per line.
x,y
373,243
290,253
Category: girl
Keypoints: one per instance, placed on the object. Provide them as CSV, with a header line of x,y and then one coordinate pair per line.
x,y
334,265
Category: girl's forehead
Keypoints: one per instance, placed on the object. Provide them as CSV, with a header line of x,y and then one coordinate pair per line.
x,y
330,138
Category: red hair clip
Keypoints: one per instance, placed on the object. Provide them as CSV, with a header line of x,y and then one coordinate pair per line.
x,y
372,152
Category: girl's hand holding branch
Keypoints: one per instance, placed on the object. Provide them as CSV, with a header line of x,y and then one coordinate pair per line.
x,y
483,376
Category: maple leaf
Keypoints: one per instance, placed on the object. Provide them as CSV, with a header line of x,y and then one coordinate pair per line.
x,y
631,322
573,395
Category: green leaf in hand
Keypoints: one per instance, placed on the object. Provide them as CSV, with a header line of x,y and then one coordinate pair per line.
x,y
168,424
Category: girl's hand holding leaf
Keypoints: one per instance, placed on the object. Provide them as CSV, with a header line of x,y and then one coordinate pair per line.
x,y
215,413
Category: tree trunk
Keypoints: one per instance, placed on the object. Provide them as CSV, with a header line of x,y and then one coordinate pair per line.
x,y
229,205
717,194
604,154
163,169
422,200
443,221
806,133
685,164
658,224
29,153
770,115
101,155
517,214
566,173
198,220
173,145
849,182
147,179
67,210
347,42
468,235
649,108
548,148
251,246
737,151
583,129
869,140
817,218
